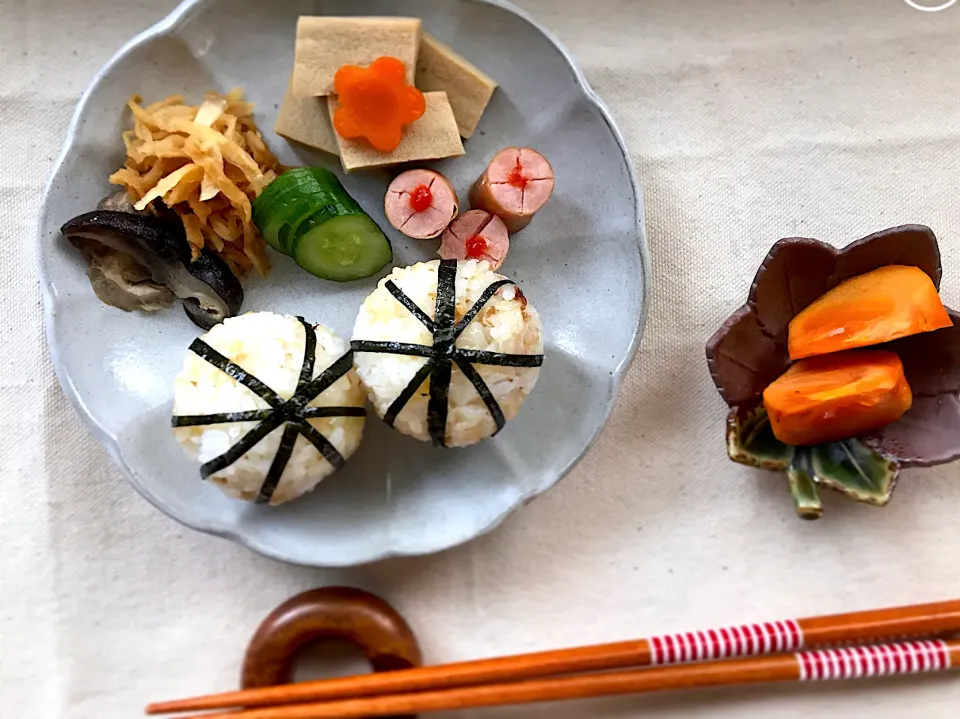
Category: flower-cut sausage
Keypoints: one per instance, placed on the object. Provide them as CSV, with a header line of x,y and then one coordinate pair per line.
x,y
420,203
517,183
476,235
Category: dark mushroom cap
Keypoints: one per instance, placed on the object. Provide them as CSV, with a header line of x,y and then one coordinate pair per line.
x,y
749,350
210,292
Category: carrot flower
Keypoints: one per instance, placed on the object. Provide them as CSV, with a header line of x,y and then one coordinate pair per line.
x,y
376,103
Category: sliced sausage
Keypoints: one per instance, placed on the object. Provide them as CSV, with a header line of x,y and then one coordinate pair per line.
x,y
517,183
476,235
420,203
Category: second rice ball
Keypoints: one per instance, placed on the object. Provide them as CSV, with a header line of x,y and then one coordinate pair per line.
x,y
507,324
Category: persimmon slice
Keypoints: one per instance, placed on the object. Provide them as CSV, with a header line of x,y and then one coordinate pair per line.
x,y
839,396
886,304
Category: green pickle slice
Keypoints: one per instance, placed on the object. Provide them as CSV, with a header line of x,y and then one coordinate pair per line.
x,y
307,214
342,248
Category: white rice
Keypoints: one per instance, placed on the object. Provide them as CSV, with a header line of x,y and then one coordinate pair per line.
x,y
269,347
507,324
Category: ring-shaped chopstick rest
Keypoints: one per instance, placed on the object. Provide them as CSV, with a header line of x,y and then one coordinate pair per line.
x,y
328,614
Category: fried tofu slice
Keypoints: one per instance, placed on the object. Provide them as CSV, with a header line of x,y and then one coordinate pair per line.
x,y
306,120
433,137
325,44
468,88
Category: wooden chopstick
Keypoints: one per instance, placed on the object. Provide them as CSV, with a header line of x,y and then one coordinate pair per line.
x,y
935,619
839,663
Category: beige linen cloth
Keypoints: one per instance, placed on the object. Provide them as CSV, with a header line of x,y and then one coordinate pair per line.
x,y
748,121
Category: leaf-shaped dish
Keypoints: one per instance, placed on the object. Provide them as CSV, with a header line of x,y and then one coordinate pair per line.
x,y
749,351
397,496
848,466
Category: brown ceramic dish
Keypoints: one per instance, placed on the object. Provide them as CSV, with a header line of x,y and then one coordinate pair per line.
x,y
749,351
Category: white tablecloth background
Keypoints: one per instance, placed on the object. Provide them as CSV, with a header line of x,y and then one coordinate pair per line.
x,y
748,121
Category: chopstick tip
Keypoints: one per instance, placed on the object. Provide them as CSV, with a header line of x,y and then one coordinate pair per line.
x,y
162,708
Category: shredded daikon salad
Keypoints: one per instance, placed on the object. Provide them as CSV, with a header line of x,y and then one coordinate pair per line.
x,y
206,163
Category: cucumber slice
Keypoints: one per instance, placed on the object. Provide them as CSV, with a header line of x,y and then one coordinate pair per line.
x,y
291,231
306,213
291,178
282,201
271,233
294,197
265,204
342,248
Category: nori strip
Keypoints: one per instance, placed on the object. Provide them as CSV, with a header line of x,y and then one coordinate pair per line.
x,y
392,348
318,412
292,413
500,358
309,353
279,463
443,344
400,402
470,372
195,420
479,305
246,443
208,353
412,306
444,352
309,391
323,445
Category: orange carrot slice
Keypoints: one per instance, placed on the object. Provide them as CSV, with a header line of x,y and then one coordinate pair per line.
x,y
824,399
376,103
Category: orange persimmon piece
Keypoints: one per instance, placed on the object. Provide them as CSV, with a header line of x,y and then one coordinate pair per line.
x,y
886,304
824,399
376,103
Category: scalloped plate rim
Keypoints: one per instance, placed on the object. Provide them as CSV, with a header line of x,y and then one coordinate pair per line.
x,y
178,17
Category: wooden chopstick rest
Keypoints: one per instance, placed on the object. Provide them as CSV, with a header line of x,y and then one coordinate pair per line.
x,y
328,614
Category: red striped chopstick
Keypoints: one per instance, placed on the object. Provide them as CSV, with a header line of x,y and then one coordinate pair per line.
x,y
839,663
936,619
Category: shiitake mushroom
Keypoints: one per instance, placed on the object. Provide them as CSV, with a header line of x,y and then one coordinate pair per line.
x,y
138,261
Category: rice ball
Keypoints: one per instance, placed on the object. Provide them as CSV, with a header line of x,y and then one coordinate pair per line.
x,y
507,323
270,348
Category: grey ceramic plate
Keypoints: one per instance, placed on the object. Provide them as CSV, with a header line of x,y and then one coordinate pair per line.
x,y
583,263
